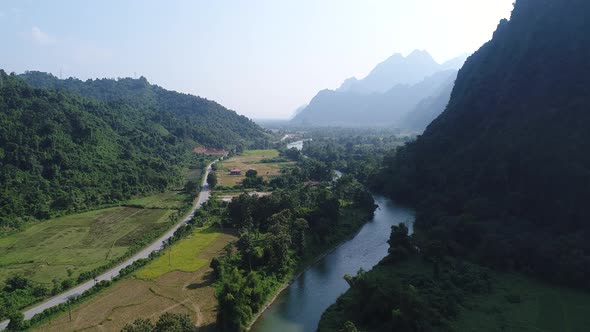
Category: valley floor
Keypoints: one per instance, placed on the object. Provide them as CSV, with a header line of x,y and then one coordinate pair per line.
x,y
155,289
65,247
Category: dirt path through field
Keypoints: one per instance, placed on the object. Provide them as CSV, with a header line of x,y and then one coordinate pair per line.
x,y
177,292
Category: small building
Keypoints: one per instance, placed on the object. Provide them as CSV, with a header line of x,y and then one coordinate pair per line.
x,y
235,171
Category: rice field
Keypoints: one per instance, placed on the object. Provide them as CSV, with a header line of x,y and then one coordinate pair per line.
x,y
165,289
67,246
181,256
250,159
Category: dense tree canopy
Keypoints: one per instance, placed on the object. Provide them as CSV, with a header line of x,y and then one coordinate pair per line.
x,y
60,152
279,231
181,115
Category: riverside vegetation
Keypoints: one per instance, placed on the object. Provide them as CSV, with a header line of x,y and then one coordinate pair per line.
x,y
279,233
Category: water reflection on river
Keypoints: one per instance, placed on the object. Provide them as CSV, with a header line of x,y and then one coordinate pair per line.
x,y
301,305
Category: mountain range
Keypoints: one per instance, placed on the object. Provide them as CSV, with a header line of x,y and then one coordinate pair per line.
x,y
388,96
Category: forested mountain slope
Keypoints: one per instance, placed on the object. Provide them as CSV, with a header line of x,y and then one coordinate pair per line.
x,y
503,175
185,116
60,152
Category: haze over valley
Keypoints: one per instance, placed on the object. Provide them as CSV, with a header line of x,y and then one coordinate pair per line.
x,y
295,166
392,94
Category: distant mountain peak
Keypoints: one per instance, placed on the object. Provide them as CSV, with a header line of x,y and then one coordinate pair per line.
x,y
419,55
395,70
393,88
347,84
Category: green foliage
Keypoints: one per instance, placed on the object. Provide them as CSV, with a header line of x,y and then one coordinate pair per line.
x,y
400,245
15,283
212,180
240,295
174,321
168,322
17,322
405,297
277,233
63,153
182,116
253,181
358,154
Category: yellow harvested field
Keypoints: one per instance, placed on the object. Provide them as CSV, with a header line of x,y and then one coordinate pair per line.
x,y
191,293
181,256
251,159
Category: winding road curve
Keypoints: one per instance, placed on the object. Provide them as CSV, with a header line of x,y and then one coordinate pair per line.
x,y
110,274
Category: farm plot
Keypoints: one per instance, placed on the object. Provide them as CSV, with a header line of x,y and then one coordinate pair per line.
x,y
259,160
162,288
67,246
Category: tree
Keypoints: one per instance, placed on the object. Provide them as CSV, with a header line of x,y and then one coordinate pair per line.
x,y
400,244
212,180
253,181
246,245
170,322
17,322
192,186
349,327
251,173
15,283
300,226
139,325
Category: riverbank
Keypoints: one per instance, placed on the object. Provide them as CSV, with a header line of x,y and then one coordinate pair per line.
x,y
503,302
299,304
304,266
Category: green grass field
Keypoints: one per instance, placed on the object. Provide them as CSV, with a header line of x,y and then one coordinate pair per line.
x,y
181,256
68,246
542,308
169,200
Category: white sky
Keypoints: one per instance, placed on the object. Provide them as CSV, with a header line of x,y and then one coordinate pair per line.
x,y
262,58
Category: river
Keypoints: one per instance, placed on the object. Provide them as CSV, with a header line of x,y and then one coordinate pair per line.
x,y
300,306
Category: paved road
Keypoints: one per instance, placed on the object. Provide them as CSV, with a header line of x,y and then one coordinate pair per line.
x,y
157,245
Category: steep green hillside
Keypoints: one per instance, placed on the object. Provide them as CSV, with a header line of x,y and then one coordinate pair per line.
x,y
184,116
61,153
503,175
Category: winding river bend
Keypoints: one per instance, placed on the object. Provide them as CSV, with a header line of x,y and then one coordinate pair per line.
x,y
299,307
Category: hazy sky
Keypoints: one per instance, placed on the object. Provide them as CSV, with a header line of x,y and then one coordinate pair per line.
x,y
262,58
